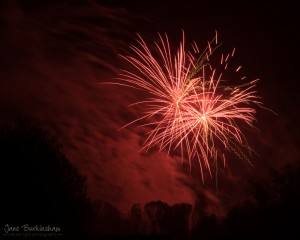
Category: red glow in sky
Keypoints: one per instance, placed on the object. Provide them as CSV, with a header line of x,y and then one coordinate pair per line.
x,y
53,55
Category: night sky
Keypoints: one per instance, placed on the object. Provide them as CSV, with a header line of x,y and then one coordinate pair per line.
x,y
54,54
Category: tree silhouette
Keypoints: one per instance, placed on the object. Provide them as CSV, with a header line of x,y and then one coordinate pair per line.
x,y
170,221
39,185
136,220
273,212
178,220
207,228
107,220
156,213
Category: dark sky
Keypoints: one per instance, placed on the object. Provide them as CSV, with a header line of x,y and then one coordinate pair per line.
x,y
53,54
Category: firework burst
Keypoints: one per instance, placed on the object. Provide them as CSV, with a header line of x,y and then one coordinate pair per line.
x,y
189,106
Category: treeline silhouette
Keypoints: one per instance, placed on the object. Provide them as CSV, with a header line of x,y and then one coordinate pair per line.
x,y
272,211
40,186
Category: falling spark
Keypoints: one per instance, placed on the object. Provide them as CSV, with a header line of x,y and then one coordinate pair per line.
x,y
227,58
238,69
189,106
233,52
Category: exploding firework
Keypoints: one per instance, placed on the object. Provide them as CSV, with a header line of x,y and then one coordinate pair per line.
x,y
189,106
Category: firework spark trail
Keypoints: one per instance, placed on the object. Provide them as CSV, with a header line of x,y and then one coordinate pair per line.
x,y
191,108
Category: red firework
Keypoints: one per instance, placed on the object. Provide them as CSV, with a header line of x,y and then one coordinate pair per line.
x,y
190,107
